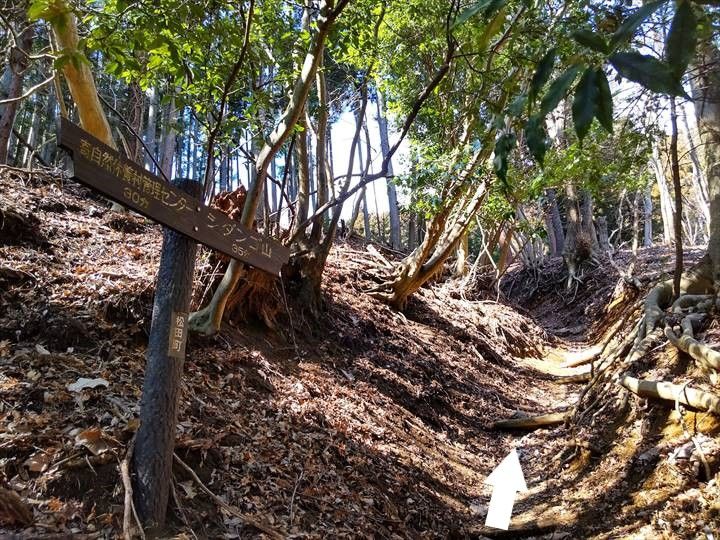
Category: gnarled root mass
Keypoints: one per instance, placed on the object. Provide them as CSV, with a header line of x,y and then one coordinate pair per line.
x,y
661,317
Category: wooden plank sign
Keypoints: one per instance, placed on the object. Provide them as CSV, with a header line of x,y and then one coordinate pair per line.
x,y
100,167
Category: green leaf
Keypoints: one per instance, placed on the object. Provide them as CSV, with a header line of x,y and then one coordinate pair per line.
x,y
583,107
470,12
487,7
604,101
681,39
37,9
542,74
647,71
518,104
591,40
536,138
493,7
632,22
558,89
503,146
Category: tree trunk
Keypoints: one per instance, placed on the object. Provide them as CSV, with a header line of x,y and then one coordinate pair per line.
x,y
394,209
602,230
366,218
18,63
208,320
224,170
588,226
556,220
462,256
647,214
675,166
79,78
576,247
303,174
32,135
706,93
666,206
169,137
636,222
550,229
698,176
137,108
412,231
444,232
48,149
151,128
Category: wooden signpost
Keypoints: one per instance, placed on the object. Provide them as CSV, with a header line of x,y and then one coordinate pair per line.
x,y
100,167
187,220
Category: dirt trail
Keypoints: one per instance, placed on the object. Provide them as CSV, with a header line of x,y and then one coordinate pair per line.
x,y
367,422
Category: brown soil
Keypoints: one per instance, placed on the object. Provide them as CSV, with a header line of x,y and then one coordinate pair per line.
x,y
366,423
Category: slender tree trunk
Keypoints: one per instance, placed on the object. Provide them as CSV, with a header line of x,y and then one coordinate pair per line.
x,y
602,229
324,173
573,232
355,213
587,219
556,220
647,214
505,243
32,135
394,209
675,166
636,222
412,231
666,206
366,218
224,170
303,175
550,229
700,187
137,108
169,137
462,256
80,80
151,127
18,63
48,149
208,320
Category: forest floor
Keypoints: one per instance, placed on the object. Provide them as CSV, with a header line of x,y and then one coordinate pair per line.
x,y
366,423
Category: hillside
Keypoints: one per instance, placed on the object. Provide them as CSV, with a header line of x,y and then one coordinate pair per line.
x,y
366,423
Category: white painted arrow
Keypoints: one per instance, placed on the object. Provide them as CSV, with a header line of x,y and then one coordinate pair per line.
x,y
507,479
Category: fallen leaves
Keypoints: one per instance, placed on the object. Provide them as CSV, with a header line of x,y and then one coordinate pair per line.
x,y
94,440
13,510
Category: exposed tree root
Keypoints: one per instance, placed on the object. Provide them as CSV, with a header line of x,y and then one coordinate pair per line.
x,y
255,296
522,531
698,399
578,358
696,281
572,379
707,357
532,422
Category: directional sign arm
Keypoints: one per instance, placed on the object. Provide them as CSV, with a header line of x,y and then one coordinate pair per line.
x,y
100,167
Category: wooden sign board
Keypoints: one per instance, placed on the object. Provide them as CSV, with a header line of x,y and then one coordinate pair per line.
x,y
100,167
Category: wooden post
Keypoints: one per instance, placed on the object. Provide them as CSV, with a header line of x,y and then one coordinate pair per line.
x,y
155,441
